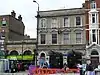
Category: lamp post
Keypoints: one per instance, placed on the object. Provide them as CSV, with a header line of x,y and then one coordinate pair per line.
x,y
37,31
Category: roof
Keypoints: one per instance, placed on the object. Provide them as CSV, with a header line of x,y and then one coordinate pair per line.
x,y
62,12
61,9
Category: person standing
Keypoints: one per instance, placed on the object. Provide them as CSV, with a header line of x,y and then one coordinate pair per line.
x,y
89,70
18,66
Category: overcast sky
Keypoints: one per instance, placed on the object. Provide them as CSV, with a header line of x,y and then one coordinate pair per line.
x,y
28,9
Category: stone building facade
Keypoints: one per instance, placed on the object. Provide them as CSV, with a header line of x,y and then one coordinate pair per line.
x,y
61,30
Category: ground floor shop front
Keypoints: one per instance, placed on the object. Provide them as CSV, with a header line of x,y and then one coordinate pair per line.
x,y
19,62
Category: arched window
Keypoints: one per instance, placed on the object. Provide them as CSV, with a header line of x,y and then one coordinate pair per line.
x,y
28,52
94,52
42,55
14,53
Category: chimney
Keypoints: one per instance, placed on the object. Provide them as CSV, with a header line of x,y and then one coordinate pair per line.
x,y
20,18
83,5
13,14
87,4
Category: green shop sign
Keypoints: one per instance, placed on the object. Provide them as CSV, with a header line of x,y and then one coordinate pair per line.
x,y
20,57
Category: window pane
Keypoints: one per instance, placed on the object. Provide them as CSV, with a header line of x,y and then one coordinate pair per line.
x,y
78,21
54,23
66,23
93,5
42,38
93,18
78,37
93,35
3,22
43,23
66,38
54,38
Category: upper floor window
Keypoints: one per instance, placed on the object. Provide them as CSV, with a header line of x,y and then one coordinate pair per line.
x,y
3,22
66,22
66,38
54,23
78,38
93,35
43,37
54,38
78,21
93,5
43,23
94,18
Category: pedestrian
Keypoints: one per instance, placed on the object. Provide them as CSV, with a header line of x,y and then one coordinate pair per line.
x,y
89,70
18,66
79,66
65,67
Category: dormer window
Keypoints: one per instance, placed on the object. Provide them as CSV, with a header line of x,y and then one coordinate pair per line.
x,y
93,5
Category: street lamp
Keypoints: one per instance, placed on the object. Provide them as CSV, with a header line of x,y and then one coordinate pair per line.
x,y
37,31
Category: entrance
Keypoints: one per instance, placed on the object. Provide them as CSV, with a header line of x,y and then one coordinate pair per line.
x,y
74,58
95,58
95,61
56,60
42,60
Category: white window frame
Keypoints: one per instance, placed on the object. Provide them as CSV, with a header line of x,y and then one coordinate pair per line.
x,y
68,22
78,38
95,17
43,23
66,41
54,23
94,34
80,21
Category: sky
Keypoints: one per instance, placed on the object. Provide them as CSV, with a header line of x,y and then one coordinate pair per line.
x,y
28,10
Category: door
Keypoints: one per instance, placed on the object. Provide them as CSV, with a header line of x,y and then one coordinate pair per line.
x,y
95,61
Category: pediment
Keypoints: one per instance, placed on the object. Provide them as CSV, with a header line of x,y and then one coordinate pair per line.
x,y
67,30
75,30
93,46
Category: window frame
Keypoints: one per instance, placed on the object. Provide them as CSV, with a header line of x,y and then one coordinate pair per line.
x,y
68,22
66,40
93,5
80,21
43,40
54,23
53,39
77,39
43,23
4,22
93,33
